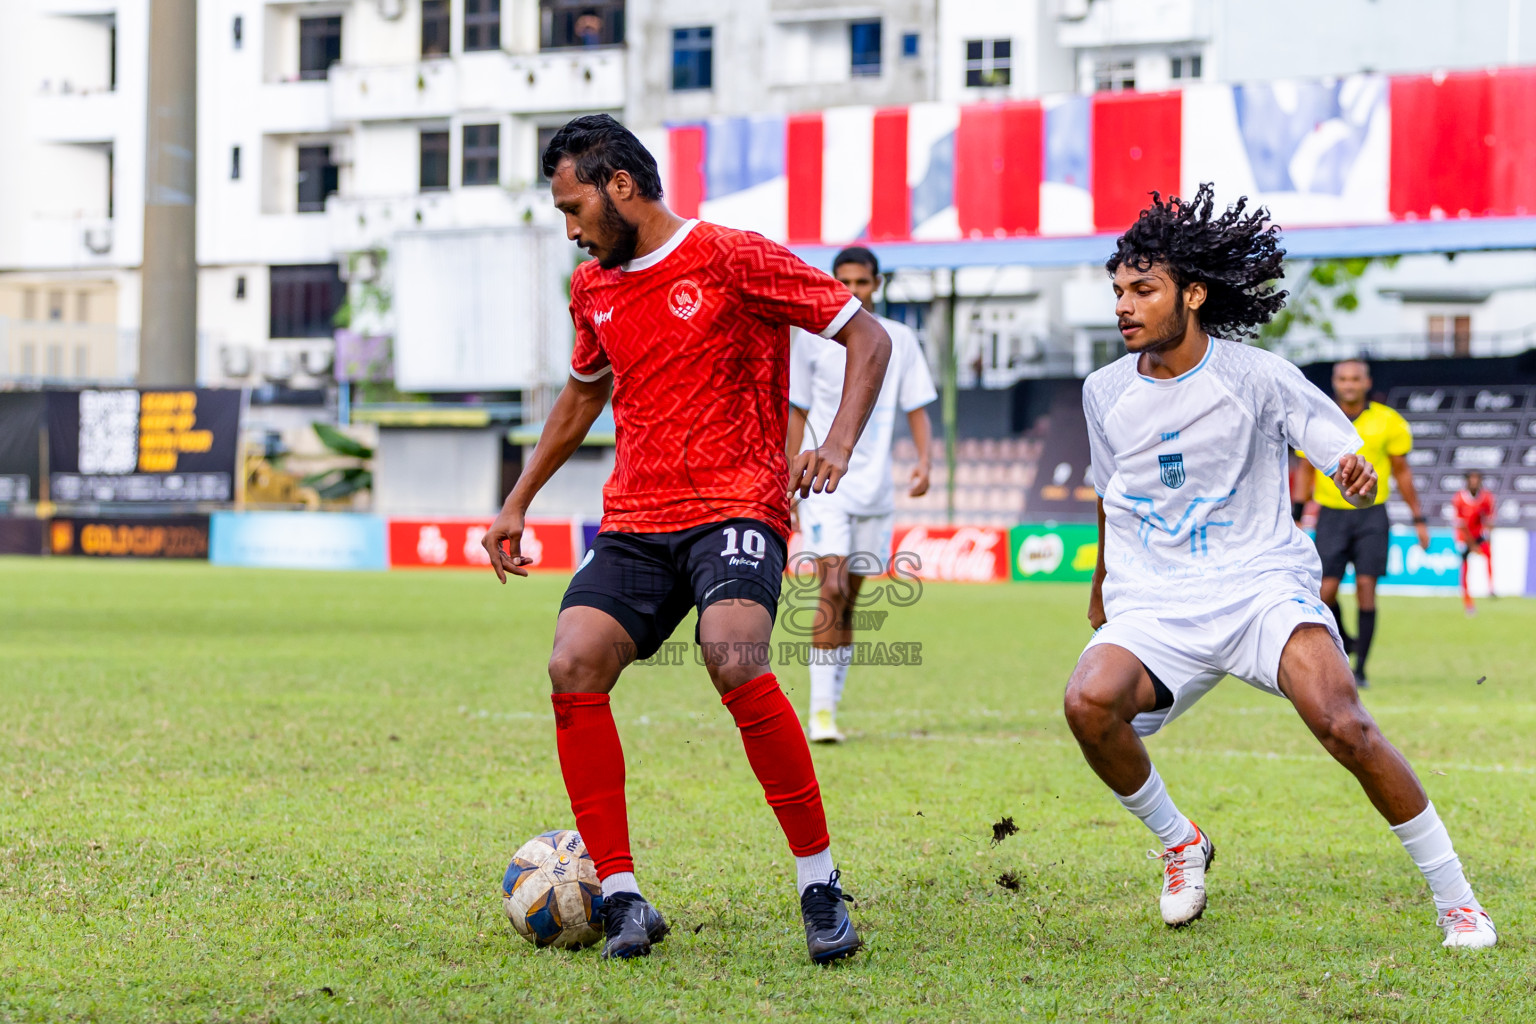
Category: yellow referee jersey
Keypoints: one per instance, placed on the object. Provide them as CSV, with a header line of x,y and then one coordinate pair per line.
x,y
1385,434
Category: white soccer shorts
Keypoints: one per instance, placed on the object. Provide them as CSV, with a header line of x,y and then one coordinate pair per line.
x,y
1191,656
829,532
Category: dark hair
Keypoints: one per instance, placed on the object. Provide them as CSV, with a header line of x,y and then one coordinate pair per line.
x,y
857,254
1360,360
1236,255
599,146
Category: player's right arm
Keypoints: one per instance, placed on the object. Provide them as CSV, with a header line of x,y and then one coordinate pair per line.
x,y
575,410
1096,617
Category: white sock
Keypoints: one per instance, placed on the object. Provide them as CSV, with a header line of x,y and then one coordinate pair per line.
x,y
620,881
842,657
1154,807
823,681
815,868
1428,843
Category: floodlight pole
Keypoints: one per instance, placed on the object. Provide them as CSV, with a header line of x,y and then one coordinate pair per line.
x,y
168,320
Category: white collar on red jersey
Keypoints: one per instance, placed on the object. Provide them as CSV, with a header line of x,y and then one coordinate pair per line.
x,y
650,259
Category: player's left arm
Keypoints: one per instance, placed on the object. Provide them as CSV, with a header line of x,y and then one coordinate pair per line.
x,y
1402,474
1313,423
922,436
869,351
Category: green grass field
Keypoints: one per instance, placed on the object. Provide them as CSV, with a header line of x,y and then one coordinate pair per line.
x,y
279,796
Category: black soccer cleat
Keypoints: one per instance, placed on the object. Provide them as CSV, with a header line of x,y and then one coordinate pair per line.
x,y
631,926
829,933
1361,683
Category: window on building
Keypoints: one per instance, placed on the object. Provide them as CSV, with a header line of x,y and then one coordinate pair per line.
x,y
319,46
1114,75
435,28
240,286
434,161
1450,335
693,58
29,304
28,359
82,307
304,300
55,361
909,44
317,178
566,23
864,41
482,24
482,154
112,56
988,62
546,136
238,31
1188,66
234,163
82,361
56,306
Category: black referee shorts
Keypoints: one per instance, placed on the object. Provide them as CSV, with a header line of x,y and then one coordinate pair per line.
x,y
1353,535
649,581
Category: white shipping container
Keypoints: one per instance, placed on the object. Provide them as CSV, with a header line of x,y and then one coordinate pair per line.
x,y
482,309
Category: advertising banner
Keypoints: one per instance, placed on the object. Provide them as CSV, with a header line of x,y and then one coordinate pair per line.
x,y
1057,553
112,537
20,536
457,544
21,426
971,554
126,445
298,540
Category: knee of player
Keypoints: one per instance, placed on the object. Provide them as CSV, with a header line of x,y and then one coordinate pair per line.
x,y
1087,714
1349,732
571,671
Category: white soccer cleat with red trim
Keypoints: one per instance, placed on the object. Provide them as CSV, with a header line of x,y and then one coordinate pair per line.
x,y
1466,928
1184,868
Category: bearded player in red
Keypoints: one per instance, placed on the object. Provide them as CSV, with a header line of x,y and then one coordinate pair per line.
x,y
1473,507
686,325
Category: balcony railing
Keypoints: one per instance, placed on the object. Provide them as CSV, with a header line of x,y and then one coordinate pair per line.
x,y
49,352
358,223
590,78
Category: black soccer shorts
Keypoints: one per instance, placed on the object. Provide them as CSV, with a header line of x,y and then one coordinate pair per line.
x,y
1358,535
649,581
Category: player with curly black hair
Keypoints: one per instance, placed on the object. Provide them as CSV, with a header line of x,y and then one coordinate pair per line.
x,y
1201,571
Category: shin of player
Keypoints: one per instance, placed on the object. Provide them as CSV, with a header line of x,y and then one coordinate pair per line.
x,y
685,326
1201,571
849,530
1473,508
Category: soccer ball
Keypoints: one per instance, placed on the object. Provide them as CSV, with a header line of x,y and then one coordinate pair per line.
x,y
551,892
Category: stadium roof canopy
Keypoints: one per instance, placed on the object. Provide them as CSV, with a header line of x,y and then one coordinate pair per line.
x,y
1396,238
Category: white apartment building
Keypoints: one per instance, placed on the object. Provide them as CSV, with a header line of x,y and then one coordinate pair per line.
x,y
326,129
73,79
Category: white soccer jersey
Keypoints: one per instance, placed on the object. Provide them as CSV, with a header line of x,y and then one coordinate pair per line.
x,y
1194,478
816,370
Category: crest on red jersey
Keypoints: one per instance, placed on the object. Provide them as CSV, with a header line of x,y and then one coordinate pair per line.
x,y
685,299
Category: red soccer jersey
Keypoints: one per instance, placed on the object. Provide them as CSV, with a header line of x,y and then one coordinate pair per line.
x,y
697,337
1473,513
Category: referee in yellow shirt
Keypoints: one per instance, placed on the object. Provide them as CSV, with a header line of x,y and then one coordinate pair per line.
x,y
1346,534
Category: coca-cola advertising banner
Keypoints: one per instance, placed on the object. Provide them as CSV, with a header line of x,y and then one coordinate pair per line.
x,y
457,544
962,554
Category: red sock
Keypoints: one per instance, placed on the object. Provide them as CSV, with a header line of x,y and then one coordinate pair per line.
x,y
592,762
781,759
1466,595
